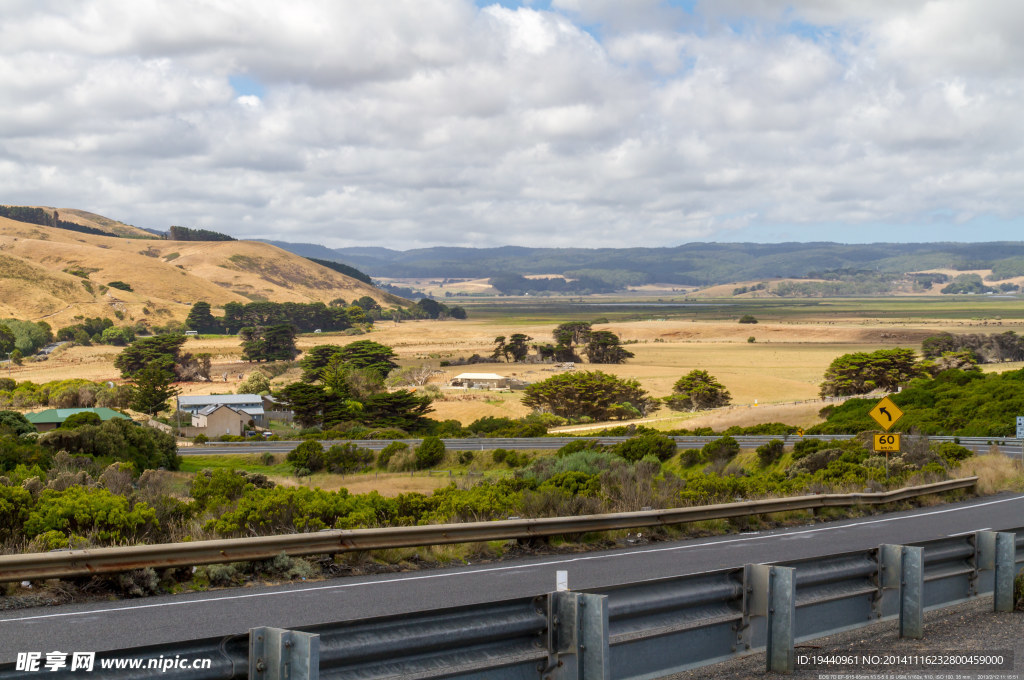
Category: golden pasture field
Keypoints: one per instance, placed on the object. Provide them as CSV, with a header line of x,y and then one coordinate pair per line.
x,y
775,378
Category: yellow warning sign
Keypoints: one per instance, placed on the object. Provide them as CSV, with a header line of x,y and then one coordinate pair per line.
x,y
887,442
886,413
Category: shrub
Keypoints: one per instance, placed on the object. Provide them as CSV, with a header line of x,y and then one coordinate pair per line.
x,y
719,450
80,511
690,457
429,453
200,439
309,455
574,483
499,455
120,285
347,458
388,451
578,445
953,453
770,452
635,448
15,423
79,419
748,318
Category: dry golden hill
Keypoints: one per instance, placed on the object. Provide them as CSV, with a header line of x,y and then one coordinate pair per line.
x,y
56,274
88,219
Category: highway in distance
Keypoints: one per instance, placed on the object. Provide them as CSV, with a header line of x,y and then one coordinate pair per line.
x,y
164,619
1006,445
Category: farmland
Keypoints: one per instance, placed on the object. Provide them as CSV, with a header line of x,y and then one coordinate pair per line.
x,y
775,377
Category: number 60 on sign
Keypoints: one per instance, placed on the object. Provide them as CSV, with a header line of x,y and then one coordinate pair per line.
x,y
887,442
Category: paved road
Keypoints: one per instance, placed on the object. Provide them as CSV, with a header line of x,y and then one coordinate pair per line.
x,y
1006,445
131,623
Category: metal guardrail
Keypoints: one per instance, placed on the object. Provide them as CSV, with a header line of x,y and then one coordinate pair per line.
x,y
636,631
1006,445
110,560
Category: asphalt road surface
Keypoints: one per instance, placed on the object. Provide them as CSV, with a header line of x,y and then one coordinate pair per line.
x,y
131,623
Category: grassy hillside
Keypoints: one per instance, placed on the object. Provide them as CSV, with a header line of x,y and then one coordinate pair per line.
x,y
56,274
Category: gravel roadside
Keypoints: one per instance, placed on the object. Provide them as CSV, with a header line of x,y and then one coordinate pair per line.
x,y
968,628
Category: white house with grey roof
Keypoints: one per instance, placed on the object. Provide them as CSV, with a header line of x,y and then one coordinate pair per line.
x,y
485,381
251,404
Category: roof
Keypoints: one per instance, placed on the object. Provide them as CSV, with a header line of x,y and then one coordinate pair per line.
x,y
215,407
479,376
228,399
59,415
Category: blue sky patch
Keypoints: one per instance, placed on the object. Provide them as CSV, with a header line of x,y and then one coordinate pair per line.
x,y
244,85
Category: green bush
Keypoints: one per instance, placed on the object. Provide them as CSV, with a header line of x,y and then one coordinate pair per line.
x,y
499,455
635,448
118,439
578,445
770,452
575,483
79,419
690,457
97,513
217,488
953,453
720,450
309,455
347,458
15,504
388,451
200,439
12,422
429,453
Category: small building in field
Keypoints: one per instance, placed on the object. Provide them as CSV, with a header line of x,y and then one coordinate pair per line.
x,y
52,418
218,419
251,404
481,381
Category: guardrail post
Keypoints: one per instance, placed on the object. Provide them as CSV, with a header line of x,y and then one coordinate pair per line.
x,y
997,551
903,568
279,654
771,593
577,637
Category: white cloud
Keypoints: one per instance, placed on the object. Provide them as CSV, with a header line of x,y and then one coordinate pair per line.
x,y
434,122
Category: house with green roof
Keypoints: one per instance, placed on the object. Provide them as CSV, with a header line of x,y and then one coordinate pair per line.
x,y
51,418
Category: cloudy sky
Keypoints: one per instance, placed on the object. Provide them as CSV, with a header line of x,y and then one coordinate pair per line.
x,y
406,123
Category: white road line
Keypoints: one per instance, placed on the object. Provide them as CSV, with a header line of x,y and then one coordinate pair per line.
x,y
473,572
964,533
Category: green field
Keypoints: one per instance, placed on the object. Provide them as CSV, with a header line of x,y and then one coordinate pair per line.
x,y
557,310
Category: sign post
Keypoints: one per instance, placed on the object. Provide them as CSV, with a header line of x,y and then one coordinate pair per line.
x,y
886,413
1020,435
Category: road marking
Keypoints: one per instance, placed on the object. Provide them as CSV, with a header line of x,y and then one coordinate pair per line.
x,y
473,572
964,533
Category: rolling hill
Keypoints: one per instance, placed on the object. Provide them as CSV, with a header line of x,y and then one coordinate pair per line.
x,y
690,264
55,274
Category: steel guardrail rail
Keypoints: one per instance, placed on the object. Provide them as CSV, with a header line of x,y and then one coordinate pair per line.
x,y
69,563
655,627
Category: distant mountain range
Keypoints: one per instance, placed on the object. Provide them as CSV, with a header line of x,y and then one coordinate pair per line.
x,y
691,264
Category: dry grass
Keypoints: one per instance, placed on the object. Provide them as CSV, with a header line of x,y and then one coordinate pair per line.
x,y
384,483
995,471
217,272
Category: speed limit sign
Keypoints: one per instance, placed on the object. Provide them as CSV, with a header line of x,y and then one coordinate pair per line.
x,y
887,442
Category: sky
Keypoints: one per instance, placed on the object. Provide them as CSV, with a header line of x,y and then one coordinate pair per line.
x,y
587,123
